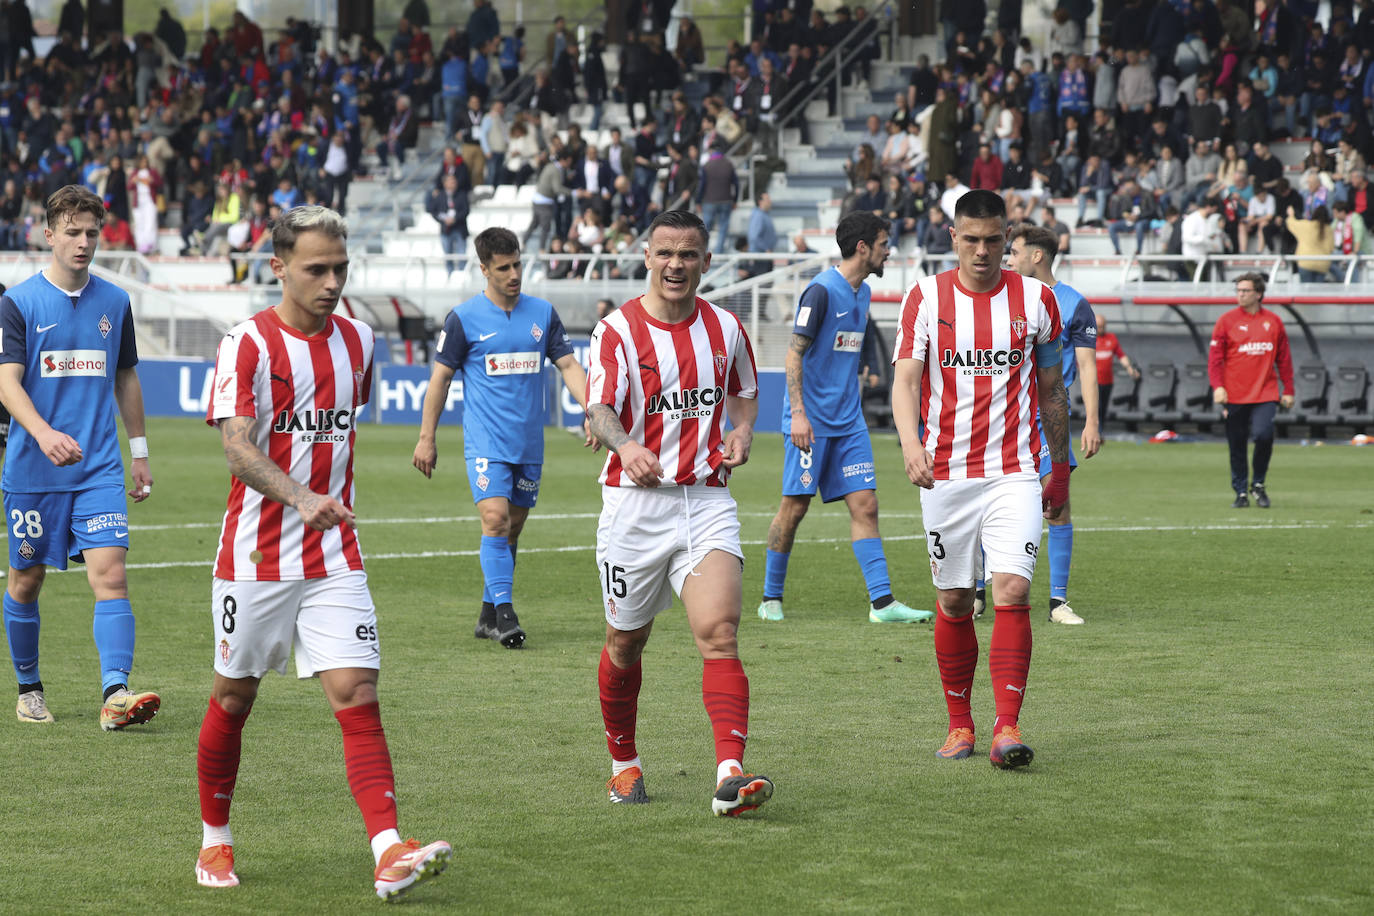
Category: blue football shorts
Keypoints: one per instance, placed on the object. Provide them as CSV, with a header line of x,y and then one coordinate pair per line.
x,y
836,466
45,529
518,483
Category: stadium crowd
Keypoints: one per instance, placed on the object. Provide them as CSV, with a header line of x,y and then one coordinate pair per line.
x,y
252,124
1165,126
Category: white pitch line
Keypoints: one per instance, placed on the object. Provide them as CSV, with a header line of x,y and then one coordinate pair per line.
x,y
526,551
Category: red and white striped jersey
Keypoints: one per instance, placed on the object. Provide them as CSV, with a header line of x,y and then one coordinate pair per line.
x,y
978,390
668,383
304,394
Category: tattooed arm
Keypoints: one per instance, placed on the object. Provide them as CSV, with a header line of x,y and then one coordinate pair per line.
x,y
637,460
248,463
1054,411
802,435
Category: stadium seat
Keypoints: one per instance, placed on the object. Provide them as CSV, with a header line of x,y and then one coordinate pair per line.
x,y
1195,393
1312,395
1129,399
1158,395
1352,394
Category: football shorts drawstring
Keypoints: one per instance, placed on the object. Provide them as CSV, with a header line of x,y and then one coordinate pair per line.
x,y
687,514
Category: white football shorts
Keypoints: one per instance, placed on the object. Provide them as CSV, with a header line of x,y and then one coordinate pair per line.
x,y
649,540
330,622
1001,515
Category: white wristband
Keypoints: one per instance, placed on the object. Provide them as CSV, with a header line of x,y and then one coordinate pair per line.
x,y
138,446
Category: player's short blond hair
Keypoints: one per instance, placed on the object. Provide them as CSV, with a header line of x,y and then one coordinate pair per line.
x,y
297,220
71,200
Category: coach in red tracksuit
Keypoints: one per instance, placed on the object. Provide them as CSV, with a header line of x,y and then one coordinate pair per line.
x,y
1247,360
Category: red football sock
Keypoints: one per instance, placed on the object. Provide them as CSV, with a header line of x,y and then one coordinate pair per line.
x,y
217,762
619,705
368,763
956,652
1009,661
725,691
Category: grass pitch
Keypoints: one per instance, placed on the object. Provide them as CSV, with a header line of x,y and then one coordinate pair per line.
x,y
1198,742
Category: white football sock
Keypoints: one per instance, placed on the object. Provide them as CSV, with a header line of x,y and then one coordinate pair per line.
x,y
214,836
725,766
620,766
384,841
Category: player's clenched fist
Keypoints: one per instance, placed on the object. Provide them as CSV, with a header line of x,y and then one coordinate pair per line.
x,y
61,449
324,512
640,464
738,442
918,467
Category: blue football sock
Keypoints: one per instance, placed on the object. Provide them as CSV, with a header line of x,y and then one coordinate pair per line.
x,y
498,569
873,563
21,629
774,573
1061,556
113,629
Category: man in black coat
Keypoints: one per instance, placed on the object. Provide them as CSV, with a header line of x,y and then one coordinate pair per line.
x,y
449,207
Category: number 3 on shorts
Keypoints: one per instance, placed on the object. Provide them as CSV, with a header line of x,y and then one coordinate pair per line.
x,y
27,524
937,550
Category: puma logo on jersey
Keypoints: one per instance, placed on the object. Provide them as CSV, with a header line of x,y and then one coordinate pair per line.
x,y
948,324
648,368
280,378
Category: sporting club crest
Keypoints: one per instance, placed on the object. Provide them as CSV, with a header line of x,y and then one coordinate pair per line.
x,y
1018,326
224,650
720,362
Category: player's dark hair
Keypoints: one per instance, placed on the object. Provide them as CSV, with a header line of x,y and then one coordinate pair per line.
x,y
980,204
859,226
71,200
290,225
1256,279
1033,236
680,219
497,240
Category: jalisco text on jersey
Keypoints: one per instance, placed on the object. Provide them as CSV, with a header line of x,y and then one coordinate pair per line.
x,y
981,359
687,399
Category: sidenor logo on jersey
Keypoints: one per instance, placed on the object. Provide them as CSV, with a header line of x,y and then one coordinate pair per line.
x,y
982,362
69,363
688,403
315,425
526,363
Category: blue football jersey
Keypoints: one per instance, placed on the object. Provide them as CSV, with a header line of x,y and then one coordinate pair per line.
x,y
835,317
70,347
1080,328
501,357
